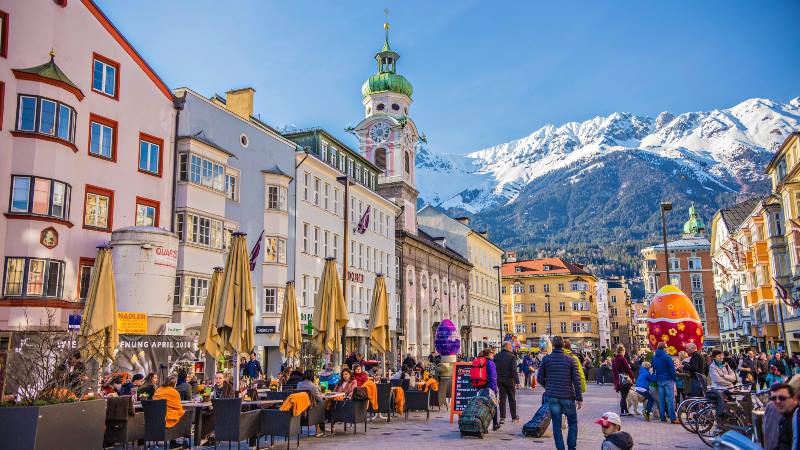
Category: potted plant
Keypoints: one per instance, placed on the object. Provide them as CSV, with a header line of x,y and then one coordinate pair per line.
x,y
49,399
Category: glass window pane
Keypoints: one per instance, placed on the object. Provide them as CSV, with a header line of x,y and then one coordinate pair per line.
x,y
110,80
20,200
35,277
53,286
107,141
144,155
153,163
85,276
47,117
208,169
64,122
195,169
219,177
94,138
15,267
97,76
27,114
41,196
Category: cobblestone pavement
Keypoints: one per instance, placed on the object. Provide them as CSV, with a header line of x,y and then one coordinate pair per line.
x,y
438,433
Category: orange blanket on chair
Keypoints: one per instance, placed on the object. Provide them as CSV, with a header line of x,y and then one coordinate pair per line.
x,y
174,407
372,393
296,403
431,384
399,399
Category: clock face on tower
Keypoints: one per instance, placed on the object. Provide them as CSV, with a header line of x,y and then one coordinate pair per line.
x,y
379,132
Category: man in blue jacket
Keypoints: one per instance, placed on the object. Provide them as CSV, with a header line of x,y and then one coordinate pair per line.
x,y
559,376
664,368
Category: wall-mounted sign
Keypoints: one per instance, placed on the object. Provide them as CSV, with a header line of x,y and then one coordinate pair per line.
x,y
132,322
265,329
174,329
74,322
49,237
355,277
166,257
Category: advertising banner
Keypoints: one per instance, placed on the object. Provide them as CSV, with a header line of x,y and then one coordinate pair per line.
x,y
132,322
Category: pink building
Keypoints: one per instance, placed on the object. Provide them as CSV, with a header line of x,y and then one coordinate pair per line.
x,y
86,146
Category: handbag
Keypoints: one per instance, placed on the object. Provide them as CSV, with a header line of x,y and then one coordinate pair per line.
x,y
624,380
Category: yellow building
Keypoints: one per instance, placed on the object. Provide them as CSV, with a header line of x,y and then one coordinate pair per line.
x,y
620,313
540,292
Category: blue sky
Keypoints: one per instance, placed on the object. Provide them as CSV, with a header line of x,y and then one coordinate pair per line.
x,y
483,72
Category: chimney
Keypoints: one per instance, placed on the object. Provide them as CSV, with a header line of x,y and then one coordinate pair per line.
x,y
484,233
463,220
441,241
240,102
511,256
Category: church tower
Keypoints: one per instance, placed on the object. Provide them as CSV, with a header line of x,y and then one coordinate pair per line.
x,y
387,136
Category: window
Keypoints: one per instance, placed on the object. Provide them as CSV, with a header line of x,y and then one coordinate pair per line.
x,y
336,246
581,327
699,304
546,307
102,137
146,212
196,291
563,327
519,328
276,197
360,256
3,34
316,191
580,306
532,288
98,208
326,202
230,187
316,241
407,162
204,172
560,287
675,280
33,277
201,230
85,266
304,291
305,238
674,264
324,152
519,289
336,201
272,297
533,307
697,282
47,117
39,196
503,289
275,251
546,288
105,76
562,306
150,154
695,263
519,307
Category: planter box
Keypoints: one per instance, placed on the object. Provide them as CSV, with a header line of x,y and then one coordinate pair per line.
x,y
64,426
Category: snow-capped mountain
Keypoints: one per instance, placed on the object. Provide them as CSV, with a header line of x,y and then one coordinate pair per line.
x,y
723,150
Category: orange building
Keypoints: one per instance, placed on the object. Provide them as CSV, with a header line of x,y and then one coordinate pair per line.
x,y
690,270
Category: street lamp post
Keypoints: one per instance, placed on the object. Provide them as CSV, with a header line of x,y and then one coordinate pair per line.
x,y
549,317
499,303
665,207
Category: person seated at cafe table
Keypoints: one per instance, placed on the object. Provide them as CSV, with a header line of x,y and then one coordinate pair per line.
x,y
135,382
346,384
168,392
221,388
314,393
148,388
359,375
188,388
112,388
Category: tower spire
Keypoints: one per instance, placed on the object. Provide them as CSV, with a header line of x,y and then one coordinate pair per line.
x,y
386,27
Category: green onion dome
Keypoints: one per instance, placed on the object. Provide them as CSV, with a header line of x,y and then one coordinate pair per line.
x,y
387,81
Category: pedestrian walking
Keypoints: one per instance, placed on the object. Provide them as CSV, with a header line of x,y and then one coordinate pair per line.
x,y
568,352
779,362
507,380
747,368
664,368
252,369
623,378
605,371
559,376
526,369
762,369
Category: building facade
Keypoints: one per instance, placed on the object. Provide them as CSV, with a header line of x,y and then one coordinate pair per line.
x,y
541,293
620,313
234,173
640,321
690,271
362,240
480,322
432,278
603,322
87,129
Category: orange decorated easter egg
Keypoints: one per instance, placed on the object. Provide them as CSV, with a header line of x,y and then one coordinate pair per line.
x,y
673,319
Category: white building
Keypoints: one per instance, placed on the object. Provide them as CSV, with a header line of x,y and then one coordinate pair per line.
x,y
603,323
368,237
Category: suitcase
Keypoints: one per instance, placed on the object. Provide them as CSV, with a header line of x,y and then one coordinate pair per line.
x,y
538,424
475,419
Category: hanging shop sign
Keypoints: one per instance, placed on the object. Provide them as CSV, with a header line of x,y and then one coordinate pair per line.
x,y
132,322
355,277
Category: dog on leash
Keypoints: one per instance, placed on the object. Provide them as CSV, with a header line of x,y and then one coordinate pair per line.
x,y
634,399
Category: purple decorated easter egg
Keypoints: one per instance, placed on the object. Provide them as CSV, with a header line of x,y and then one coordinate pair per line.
x,y
447,341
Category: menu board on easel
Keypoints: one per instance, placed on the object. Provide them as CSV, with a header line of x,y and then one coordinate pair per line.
x,y
462,389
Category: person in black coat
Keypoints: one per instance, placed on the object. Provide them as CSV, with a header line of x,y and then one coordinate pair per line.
x,y
507,380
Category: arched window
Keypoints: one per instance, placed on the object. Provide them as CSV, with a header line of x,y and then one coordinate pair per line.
x,y
380,158
408,163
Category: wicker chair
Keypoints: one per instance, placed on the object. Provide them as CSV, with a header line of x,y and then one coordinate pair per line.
x,y
233,425
418,401
121,427
350,411
385,401
155,423
280,423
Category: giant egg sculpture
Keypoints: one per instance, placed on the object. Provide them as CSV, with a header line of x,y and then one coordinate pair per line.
x,y
447,340
672,319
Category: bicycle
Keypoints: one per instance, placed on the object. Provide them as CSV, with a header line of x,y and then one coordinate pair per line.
x,y
687,412
738,415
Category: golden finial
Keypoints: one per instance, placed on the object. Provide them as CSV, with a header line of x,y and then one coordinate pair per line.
x,y
386,23
52,53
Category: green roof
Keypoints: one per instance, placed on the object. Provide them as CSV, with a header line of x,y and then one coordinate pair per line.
x,y
387,81
49,70
694,225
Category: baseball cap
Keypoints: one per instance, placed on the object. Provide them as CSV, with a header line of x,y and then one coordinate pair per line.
x,y
610,417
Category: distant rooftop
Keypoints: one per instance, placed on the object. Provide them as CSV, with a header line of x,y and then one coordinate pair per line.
x,y
735,215
542,266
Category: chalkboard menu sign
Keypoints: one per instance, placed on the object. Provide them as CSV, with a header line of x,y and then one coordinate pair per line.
x,y
462,388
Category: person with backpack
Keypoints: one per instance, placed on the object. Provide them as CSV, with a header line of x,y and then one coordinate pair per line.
x,y
559,376
623,379
507,381
483,375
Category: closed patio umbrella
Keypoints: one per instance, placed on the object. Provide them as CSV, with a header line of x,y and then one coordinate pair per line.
x,y
330,311
379,317
210,341
99,337
291,337
234,319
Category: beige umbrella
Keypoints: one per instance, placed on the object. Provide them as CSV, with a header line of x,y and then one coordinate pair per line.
x,y
330,311
210,340
379,317
291,337
234,319
99,337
